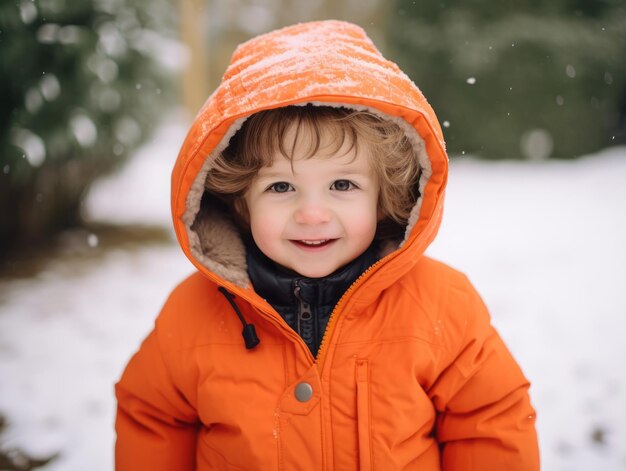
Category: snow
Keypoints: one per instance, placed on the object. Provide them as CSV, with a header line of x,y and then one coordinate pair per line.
x,y
333,50
537,144
83,129
47,33
542,241
140,194
28,12
105,68
33,100
33,146
111,40
50,87
127,130
92,240
570,71
71,34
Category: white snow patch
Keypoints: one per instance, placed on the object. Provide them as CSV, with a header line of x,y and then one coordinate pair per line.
x,y
65,337
140,194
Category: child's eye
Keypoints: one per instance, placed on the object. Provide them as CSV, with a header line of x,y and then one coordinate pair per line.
x,y
343,185
280,187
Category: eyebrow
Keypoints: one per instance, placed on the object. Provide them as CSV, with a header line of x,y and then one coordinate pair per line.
x,y
271,174
288,175
354,171
350,168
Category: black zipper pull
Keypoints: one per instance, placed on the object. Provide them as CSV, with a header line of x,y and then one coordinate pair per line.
x,y
248,333
304,308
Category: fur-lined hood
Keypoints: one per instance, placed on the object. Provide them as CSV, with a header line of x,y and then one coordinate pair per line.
x,y
328,63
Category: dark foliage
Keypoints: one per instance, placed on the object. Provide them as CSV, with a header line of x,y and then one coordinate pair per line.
x,y
531,79
80,88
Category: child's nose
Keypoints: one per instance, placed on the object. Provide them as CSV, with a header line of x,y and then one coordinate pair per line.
x,y
312,213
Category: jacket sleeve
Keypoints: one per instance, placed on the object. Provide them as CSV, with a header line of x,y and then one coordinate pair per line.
x,y
156,426
485,419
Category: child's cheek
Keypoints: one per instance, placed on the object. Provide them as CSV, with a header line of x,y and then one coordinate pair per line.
x,y
267,223
362,219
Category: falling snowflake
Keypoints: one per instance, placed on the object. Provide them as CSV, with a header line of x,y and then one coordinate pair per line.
x,y
92,240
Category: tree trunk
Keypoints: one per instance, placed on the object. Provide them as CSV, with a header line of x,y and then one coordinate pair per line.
x,y
193,34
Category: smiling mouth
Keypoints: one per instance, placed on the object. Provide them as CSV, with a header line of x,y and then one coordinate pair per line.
x,y
313,244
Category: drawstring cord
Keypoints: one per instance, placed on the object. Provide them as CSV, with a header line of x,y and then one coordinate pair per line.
x,y
249,333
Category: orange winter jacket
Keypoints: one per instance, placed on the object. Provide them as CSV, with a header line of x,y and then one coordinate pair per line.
x,y
410,374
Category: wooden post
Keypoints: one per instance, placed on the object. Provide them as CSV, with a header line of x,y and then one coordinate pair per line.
x,y
195,82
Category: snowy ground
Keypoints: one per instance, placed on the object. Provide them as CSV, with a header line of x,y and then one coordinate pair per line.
x,y
543,242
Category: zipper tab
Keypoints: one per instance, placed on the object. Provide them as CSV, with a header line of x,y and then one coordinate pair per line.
x,y
304,308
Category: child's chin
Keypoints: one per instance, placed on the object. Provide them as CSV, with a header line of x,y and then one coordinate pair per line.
x,y
316,273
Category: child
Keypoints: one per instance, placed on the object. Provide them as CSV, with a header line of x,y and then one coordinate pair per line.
x,y
306,193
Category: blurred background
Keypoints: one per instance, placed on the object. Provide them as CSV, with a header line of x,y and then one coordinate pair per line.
x,y
95,100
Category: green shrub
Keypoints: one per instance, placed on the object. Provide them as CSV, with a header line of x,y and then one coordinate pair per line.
x,y
536,80
81,87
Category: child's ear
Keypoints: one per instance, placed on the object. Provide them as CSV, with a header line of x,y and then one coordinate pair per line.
x,y
380,215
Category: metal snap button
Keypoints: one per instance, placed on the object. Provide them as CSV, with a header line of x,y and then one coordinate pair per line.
x,y
303,392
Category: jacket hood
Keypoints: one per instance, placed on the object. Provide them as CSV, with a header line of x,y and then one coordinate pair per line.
x,y
330,63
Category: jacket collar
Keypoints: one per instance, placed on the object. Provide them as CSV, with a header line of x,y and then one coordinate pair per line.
x,y
276,284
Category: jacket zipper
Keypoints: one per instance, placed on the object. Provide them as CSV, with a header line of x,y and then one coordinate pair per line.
x,y
304,308
321,353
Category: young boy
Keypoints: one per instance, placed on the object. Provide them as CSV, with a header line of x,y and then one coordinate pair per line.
x,y
306,192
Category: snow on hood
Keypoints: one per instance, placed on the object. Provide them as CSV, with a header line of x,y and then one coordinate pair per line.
x,y
329,63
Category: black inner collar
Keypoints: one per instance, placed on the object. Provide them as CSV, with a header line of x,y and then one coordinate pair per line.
x,y
275,283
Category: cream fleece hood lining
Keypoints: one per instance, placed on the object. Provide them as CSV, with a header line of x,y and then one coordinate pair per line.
x,y
216,243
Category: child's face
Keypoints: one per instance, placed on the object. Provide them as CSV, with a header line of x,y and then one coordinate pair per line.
x,y
318,217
